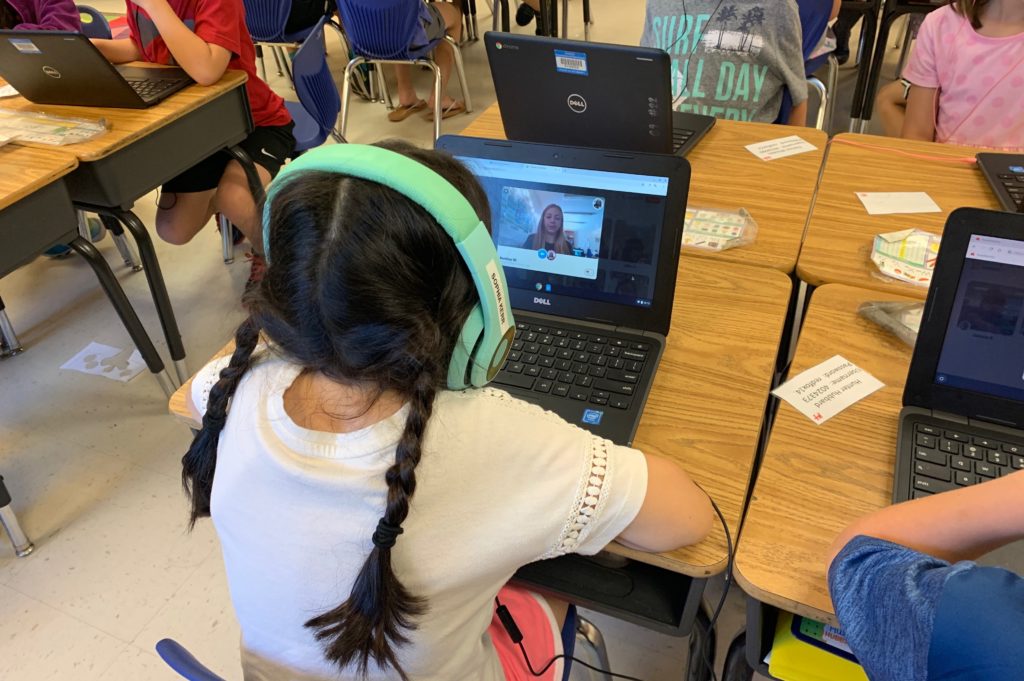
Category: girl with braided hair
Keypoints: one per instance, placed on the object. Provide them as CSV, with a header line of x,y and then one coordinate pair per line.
x,y
367,515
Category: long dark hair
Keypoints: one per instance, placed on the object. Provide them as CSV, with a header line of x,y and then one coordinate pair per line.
x,y
969,9
363,286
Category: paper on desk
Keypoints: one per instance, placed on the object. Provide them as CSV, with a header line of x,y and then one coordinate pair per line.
x,y
780,148
890,203
98,359
8,91
823,391
908,255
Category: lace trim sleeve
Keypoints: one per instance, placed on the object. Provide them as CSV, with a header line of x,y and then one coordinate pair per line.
x,y
590,500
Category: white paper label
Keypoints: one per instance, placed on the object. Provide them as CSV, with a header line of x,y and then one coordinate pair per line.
x,y
823,391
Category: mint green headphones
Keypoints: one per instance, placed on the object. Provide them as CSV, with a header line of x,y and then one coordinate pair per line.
x,y
487,335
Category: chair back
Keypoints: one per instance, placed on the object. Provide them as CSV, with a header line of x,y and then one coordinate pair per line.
x,y
266,19
183,662
314,83
382,29
94,24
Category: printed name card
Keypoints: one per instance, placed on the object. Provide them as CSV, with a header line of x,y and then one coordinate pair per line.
x,y
823,391
780,148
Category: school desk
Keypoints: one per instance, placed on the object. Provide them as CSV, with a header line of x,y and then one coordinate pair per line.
x,y
840,233
778,194
815,479
144,148
705,410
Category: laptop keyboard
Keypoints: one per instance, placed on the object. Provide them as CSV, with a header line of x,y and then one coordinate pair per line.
x,y
150,89
946,459
1014,186
680,137
568,363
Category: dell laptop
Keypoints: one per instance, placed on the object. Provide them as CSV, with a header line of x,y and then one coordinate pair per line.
x,y
589,94
1005,174
589,241
962,421
58,67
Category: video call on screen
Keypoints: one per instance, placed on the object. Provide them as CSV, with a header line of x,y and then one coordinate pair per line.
x,y
984,346
571,239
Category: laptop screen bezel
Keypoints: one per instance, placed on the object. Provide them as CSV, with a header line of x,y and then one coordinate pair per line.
x,y
921,389
658,316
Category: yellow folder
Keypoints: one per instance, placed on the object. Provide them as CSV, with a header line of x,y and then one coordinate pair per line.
x,y
796,660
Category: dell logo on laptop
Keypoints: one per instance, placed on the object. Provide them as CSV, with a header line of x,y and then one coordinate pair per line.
x,y
542,301
51,72
577,104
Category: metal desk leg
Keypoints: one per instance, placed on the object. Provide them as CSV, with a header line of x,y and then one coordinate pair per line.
x,y
124,310
124,247
868,31
9,343
22,545
157,288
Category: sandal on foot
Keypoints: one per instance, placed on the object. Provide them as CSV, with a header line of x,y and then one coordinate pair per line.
x,y
403,111
453,109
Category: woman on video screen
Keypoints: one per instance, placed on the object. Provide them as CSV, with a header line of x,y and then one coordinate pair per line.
x,y
549,235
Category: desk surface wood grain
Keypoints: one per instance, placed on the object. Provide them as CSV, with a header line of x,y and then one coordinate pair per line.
x,y
778,194
707,402
128,125
816,479
24,170
837,246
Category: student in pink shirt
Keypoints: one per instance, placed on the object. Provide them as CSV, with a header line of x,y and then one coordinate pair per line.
x,y
964,83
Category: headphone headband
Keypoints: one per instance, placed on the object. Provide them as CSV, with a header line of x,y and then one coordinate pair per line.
x,y
487,335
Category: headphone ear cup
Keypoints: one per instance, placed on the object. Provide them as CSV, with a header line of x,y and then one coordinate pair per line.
x,y
464,352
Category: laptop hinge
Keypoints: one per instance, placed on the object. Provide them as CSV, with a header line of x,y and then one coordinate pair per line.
x,y
630,331
947,416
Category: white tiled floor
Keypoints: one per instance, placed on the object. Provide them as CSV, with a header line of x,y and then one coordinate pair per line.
x,y
94,465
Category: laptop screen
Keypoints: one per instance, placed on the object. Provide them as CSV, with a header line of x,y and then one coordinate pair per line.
x,y
983,350
575,232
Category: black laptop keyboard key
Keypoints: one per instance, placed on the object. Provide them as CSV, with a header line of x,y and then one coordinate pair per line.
x,y
584,381
927,430
959,437
950,446
984,442
563,364
964,479
998,458
932,456
514,367
932,470
929,441
961,464
986,469
619,402
974,451
529,359
594,399
549,374
581,394
560,389
1012,449
614,386
514,380
1017,462
931,485
542,386
634,355
532,371
546,362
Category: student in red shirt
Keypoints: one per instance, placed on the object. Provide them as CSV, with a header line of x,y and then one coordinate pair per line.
x,y
205,38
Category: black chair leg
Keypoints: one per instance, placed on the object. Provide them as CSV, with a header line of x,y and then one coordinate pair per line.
x,y
9,343
702,649
736,667
22,544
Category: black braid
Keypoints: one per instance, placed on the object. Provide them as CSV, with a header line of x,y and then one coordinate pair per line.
x,y
200,462
380,611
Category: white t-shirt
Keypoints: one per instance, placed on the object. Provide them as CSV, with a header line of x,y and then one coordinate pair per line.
x,y
501,483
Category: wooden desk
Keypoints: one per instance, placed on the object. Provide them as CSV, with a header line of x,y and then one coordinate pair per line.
x,y
127,126
814,480
706,406
143,149
777,193
24,171
837,246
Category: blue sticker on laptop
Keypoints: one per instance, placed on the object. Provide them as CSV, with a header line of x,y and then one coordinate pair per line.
x,y
24,45
571,62
1017,169
592,416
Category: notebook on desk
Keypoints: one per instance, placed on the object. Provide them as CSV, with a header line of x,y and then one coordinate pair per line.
x,y
589,94
963,417
589,240
65,68
1005,174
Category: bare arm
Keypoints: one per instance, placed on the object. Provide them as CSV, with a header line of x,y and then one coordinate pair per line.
x,y
836,6
203,61
919,123
798,116
675,511
959,525
117,51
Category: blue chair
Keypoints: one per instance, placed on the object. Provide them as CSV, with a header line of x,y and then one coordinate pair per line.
x,y
94,24
266,21
316,112
814,17
379,32
575,631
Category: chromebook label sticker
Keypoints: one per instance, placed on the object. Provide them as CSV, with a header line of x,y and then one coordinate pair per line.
x,y
571,62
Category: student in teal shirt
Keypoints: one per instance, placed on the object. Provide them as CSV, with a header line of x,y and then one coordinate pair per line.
x,y
912,604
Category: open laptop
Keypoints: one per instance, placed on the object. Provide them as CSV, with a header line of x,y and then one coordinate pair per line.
x,y
589,94
1005,173
592,309
963,417
59,67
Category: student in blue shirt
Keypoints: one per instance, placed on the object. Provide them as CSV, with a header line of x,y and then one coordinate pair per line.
x,y
913,606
